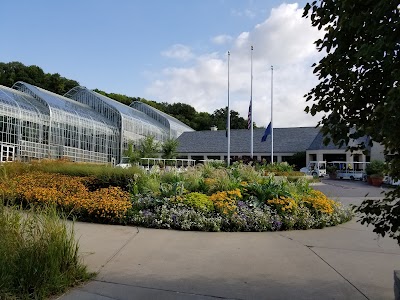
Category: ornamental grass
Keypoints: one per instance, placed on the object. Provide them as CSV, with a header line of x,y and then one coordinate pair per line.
x,y
38,254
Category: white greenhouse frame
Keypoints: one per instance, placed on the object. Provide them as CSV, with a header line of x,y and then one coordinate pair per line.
x,y
82,125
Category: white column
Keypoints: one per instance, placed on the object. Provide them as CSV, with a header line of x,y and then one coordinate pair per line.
x,y
349,157
320,156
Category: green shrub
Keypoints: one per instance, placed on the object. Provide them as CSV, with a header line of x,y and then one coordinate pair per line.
x,y
171,189
197,201
193,180
170,176
149,183
220,180
278,167
245,172
268,189
375,167
38,254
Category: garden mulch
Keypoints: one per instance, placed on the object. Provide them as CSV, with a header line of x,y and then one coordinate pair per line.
x,y
348,261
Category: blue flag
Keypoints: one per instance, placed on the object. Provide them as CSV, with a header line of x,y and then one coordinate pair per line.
x,y
250,117
266,133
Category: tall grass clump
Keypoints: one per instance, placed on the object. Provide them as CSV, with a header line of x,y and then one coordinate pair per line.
x,y
38,254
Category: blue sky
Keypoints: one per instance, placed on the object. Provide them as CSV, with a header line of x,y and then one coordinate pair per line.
x,y
172,51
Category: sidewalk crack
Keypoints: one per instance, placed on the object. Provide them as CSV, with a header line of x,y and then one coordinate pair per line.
x,y
120,249
167,290
337,272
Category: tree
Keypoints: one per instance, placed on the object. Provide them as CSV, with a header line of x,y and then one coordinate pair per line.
x,y
202,121
12,72
219,118
169,147
149,147
297,160
359,87
132,153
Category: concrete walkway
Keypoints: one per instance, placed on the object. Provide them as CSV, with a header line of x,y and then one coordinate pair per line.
x,y
348,261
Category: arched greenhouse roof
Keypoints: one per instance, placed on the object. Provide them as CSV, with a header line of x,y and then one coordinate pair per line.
x,y
54,101
124,110
21,101
165,119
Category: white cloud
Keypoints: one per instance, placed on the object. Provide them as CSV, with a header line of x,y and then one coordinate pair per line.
x,y
284,40
222,39
245,13
178,51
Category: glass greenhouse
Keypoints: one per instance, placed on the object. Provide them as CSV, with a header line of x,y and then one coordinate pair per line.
x,y
82,126
175,127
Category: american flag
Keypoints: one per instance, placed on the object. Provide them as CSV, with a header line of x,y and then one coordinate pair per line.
x,y
249,117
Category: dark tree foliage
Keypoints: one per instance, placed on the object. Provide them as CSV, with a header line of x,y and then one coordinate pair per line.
x,y
359,86
219,119
297,160
198,120
12,72
118,97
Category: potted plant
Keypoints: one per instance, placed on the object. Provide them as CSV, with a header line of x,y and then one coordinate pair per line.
x,y
331,170
375,172
376,179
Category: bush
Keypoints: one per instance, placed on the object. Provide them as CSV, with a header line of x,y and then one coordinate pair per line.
x,y
197,201
38,254
375,167
278,167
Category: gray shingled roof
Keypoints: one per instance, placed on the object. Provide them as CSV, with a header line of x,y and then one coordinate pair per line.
x,y
318,143
290,140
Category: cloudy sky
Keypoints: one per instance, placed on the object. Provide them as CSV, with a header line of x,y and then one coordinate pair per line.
x,y
173,51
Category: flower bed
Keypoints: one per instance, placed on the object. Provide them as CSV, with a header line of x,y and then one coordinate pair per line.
x,y
70,194
239,198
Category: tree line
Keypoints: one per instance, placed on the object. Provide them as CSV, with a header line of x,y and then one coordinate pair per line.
x,y
12,72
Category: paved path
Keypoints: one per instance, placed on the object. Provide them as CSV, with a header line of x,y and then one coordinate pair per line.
x,y
343,262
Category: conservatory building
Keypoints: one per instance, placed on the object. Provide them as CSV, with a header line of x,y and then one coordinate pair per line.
x,y
82,125
174,126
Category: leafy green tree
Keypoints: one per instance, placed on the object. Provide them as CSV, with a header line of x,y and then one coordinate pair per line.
x,y
12,72
169,148
118,97
149,147
359,86
201,121
219,118
132,153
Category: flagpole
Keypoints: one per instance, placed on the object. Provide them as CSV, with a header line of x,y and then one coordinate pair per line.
x,y
251,104
229,120
272,108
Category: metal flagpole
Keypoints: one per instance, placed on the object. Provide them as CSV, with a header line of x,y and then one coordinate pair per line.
x,y
272,108
229,120
251,104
